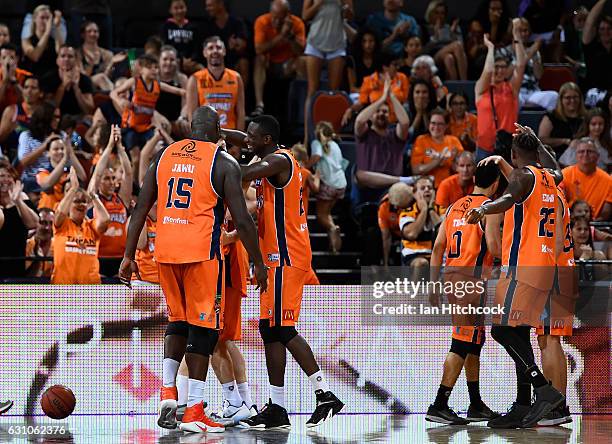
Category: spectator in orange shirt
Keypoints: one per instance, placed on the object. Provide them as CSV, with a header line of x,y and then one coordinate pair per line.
x,y
51,181
40,245
463,125
458,185
399,198
280,38
76,238
373,87
584,181
434,153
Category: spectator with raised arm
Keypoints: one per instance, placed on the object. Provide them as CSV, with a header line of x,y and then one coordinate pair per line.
x,y
76,237
41,47
380,146
560,126
280,38
159,141
497,99
41,245
597,45
393,26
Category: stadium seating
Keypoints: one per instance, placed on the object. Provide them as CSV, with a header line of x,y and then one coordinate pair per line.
x,y
531,119
327,105
556,75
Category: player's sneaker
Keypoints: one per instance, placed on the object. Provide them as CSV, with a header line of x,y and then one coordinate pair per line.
x,y
180,411
254,410
482,412
271,416
167,408
547,398
5,406
328,405
196,421
560,415
230,415
444,416
512,419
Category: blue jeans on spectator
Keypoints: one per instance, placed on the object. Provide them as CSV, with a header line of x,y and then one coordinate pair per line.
x,y
482,154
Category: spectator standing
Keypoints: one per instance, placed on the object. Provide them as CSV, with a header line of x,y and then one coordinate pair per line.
x,y
458,185
544,17
34,143
398,199
76,237
412,49
494,16
179,32
52,180
280,38
41,245
41,47
596,128
463,125
572,47
96,62
496,97
329,164
67,87
597,45
103,184
97,11
16,118
232,31
17,216
12,78
584,181
560,126
475,48
217,86
380,146
445,41
171,105
434,153
393,26
362,61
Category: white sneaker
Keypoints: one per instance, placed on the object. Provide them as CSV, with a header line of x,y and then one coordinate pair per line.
x,y
231,415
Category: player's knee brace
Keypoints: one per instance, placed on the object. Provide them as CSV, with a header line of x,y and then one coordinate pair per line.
x,y
201,340
460,348
179,328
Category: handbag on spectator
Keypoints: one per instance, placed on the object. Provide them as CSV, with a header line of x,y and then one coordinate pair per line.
x,y
503,139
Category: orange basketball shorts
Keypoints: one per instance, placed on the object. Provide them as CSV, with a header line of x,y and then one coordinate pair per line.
x,y
282,301
194,292
232,319
522,304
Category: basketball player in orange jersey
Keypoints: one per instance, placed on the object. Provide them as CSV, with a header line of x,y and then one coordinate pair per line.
x,y
560,305
528,260
139,110
469,251
193,178
217,86
285,244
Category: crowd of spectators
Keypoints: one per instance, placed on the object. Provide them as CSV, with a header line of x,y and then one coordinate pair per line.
x,y
81,119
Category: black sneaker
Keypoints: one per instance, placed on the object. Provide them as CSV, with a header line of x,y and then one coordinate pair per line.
x,y
328,405
482,412
271,416
558,416
512,419
444,416
180,411
5,406
547,398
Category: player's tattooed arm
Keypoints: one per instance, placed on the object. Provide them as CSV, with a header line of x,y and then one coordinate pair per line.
x,y
271,165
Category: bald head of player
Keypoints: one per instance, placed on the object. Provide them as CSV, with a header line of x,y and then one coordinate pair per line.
x,y
524,150
263,134
205,124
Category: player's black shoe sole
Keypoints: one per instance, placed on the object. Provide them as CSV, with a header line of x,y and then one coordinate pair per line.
x,y
557,417
512,419
480,413
328,405
444,416
547,399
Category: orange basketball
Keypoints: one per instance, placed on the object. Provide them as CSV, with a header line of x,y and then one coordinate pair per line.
x,y
58,402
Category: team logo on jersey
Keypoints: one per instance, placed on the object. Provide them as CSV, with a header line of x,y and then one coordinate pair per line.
x,y
189,148
288,315
273,257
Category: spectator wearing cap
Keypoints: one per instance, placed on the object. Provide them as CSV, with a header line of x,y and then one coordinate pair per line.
x,y
398,199
41,245
280,38
584,181
42,45
460,184
393,26
497,98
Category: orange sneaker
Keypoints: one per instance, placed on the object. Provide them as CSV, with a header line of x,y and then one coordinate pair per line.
x,y
167,408
196,421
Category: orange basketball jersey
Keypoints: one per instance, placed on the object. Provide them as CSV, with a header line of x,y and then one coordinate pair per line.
x,y
112,243
145,258
528,243
566,272
236,263
221,94
189,210
281,220
466,246
143,106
